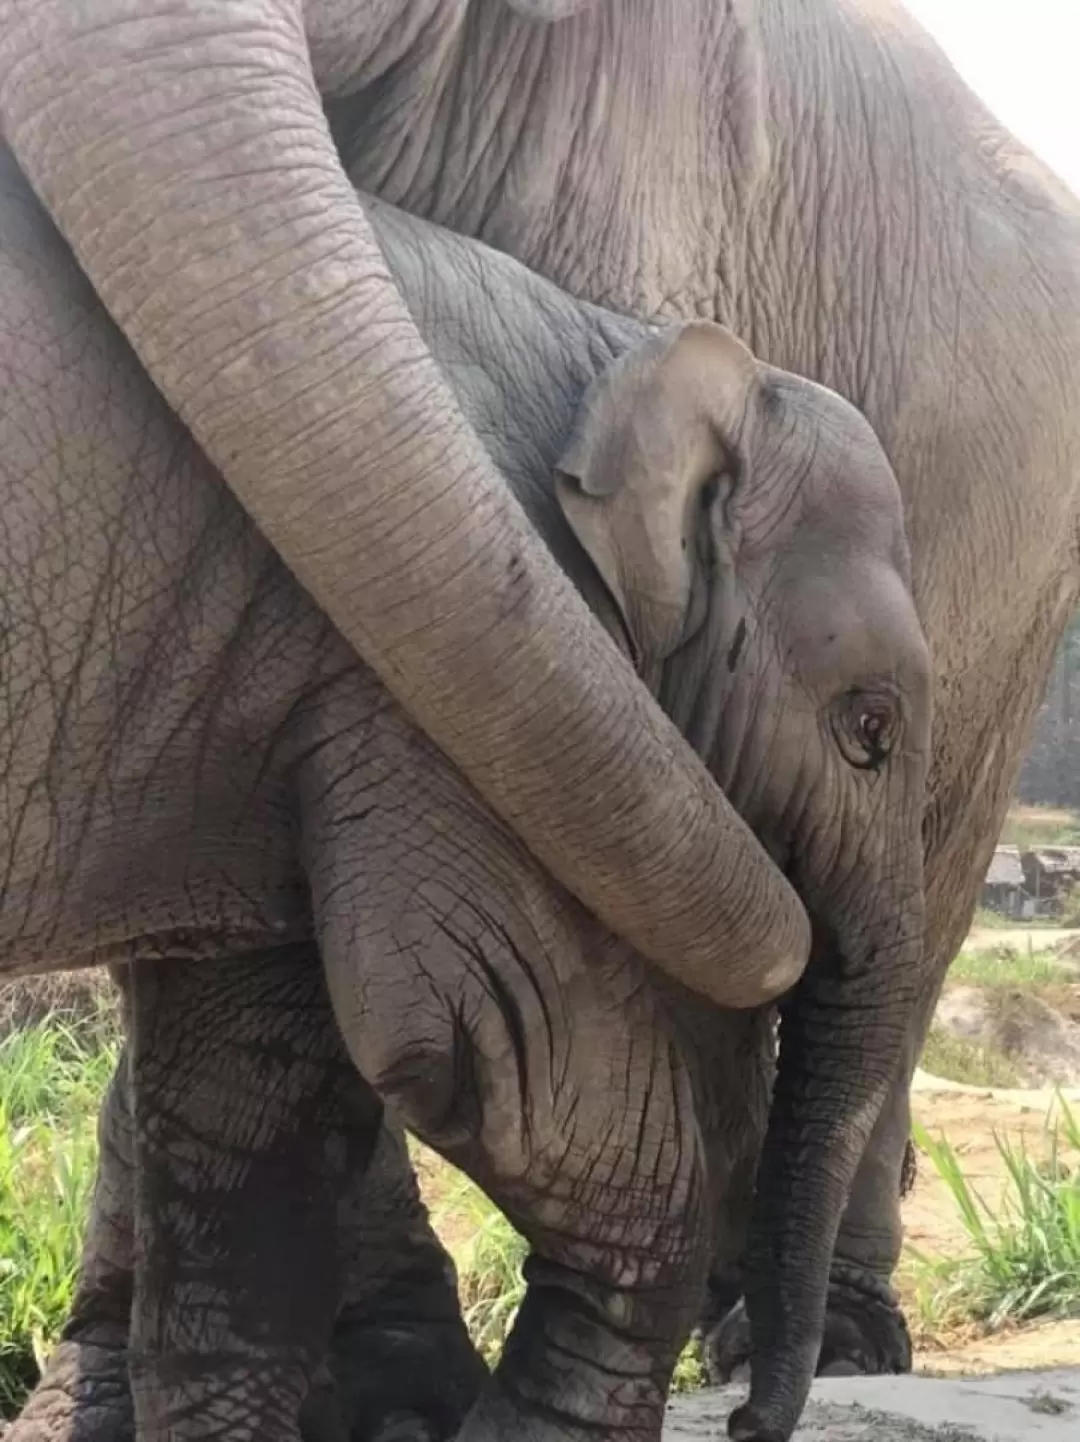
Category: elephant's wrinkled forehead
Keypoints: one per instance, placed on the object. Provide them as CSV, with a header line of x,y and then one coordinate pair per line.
x,y
847,487
842,578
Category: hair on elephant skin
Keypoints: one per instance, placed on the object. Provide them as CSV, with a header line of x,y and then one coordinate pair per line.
x,y
223,770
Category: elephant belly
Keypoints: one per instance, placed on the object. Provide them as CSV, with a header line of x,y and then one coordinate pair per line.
x,y
151,648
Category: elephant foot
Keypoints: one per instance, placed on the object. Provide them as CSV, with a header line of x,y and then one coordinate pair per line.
x,y
326,1416
503,1418
866,1333
413,1383
414,1387
83,1396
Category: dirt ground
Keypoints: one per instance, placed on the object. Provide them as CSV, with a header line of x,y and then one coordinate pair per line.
x,y
1040,938
969,1119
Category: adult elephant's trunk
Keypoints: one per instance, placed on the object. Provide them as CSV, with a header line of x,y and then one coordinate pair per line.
x,y
841,1038
182,148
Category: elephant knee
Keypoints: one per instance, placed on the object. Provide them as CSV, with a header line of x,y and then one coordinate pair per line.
x,y
404,1040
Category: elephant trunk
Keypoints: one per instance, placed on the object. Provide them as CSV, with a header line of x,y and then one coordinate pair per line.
x,y
183,151
841,1040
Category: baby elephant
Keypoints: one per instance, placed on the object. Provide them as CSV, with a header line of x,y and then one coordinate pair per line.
x,y
201,780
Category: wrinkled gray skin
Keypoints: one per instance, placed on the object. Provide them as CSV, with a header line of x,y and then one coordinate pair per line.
x,y
294,1122
276,334
813,174
219,755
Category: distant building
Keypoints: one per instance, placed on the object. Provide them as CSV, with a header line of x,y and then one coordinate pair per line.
x,y
1050,874
1005,888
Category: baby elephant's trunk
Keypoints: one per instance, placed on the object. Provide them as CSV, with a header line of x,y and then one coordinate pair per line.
x,y
841,1040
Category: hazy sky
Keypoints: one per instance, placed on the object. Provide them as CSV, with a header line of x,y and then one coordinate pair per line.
x,y
1023,58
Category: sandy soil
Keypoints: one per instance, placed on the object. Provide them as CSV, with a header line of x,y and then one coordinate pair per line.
x,y
1039,938
969,1119
1027,1349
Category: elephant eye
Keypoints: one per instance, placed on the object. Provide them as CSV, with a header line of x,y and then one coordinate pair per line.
x,y
867,727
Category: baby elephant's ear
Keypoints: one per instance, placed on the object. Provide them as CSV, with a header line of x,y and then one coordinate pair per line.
x,y
654,434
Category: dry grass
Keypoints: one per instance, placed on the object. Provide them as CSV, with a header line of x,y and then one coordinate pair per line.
x,y
954,1058
73,995
1043,816
1040,826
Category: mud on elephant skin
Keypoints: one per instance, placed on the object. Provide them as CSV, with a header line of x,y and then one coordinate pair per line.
x,y
229,759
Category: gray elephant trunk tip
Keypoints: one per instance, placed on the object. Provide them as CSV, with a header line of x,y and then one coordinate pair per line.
x,y
745,1425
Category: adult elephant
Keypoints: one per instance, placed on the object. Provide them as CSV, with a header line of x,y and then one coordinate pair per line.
x,y
815,174
196,762
276,334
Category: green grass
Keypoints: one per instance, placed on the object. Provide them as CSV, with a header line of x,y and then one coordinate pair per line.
x,y
1028,826
953,1058
1010,966
1024,1261
489,1265
54,1072
988,920
52,1076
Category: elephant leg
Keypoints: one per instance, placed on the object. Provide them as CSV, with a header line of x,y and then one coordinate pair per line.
x,y
401,1363
401,1358
249,1125
733,1062
514,1036
83,1395
866,1330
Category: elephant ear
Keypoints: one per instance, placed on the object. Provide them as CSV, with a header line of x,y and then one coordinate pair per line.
x,y
658,437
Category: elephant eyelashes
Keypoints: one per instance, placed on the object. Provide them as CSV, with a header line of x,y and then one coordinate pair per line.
x,y
867,727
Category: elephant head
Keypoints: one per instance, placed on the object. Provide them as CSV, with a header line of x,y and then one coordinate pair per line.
x,y
183,150
750,531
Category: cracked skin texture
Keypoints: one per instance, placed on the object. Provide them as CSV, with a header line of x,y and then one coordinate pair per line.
x,y
951,311
769,165
239,1110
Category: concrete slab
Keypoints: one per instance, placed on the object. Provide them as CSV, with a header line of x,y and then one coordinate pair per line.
x,y
1011,1407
